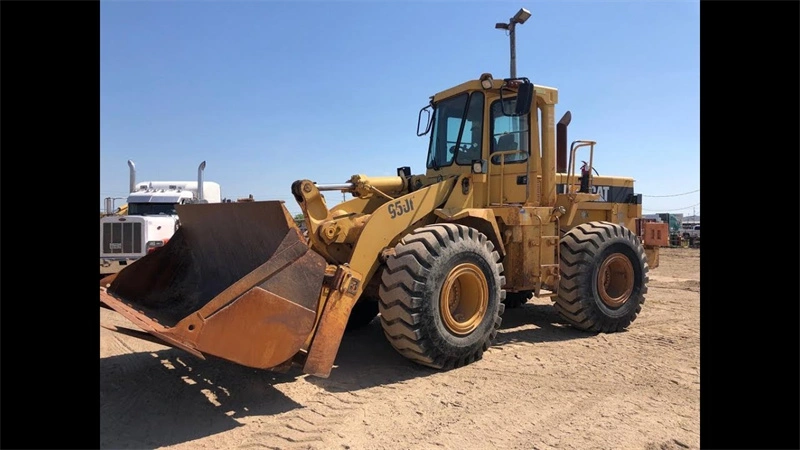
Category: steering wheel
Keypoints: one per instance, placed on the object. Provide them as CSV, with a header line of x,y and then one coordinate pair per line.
x,y
461,148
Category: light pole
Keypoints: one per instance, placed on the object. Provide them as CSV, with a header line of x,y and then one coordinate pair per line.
x,y
519,18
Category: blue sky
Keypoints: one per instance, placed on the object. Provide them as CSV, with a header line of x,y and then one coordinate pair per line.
x,y
269,92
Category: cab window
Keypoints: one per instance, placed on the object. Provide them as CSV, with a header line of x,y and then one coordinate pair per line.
x,y
509,133
457,131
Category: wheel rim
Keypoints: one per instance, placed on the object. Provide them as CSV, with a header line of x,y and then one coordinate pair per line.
x,y
615,280
464,299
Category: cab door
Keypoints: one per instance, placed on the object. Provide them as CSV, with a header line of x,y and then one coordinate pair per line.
x,y
509,150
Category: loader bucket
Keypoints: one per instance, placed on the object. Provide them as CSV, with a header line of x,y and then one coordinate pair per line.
x,y
236,281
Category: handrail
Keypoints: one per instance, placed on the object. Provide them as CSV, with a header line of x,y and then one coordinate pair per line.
x,y
571,172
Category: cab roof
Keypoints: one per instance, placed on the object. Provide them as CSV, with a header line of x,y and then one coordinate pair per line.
x,y
474,85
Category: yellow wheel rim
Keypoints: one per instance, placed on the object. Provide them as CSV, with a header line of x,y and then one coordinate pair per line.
x,y
615,280
464,299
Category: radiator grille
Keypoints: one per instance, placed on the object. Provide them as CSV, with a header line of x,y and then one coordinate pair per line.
x,y
122,237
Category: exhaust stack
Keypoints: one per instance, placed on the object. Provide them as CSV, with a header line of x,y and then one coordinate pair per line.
x,y
132,186
561,142
200,182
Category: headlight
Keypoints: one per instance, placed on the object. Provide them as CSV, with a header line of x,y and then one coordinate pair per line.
x,y
486,81
151,246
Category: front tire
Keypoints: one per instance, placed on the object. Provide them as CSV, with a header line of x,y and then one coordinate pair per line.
x,y
604,276
441,296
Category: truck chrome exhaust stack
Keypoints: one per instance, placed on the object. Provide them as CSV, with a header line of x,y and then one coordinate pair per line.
x,y
132,181
200,182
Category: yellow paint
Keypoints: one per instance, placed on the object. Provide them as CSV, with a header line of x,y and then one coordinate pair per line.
x,y
392,221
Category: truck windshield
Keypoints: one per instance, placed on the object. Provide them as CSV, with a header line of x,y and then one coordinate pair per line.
x,y
151,209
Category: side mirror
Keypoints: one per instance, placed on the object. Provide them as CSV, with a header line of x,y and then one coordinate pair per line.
x,y
427,112
522,102
524,99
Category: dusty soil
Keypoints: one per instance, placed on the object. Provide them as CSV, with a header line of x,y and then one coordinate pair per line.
x,y
543,385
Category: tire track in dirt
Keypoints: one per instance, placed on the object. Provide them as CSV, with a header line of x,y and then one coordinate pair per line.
x,y
498,412
650,377
481,378
577,395
323,420
308,424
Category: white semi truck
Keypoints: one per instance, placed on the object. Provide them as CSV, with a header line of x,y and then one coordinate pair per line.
x,y
150,220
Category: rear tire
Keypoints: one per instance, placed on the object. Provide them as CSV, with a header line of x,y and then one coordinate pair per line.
x,y
604,276
441,296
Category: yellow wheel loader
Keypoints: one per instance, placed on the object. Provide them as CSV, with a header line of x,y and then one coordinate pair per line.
x,y
501,214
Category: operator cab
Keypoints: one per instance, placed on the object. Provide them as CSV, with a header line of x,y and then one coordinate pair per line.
x,y
485,126
457,120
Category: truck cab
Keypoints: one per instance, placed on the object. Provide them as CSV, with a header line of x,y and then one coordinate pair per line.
x,y
151,219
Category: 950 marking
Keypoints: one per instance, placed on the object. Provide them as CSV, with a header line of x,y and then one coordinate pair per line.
x,y
399,208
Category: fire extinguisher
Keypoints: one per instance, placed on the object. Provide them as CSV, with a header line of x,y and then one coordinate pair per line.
x,y
585,174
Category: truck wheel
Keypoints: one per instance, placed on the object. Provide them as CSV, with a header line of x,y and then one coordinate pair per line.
x,y
517,299
362,313
441,295
603,277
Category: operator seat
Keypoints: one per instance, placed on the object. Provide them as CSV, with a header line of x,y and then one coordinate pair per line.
x,y
504,143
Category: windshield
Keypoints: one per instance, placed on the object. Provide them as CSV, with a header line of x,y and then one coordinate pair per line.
x,y
151,209
457,131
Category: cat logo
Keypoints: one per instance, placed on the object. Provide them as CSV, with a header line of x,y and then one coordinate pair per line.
x,y
603,191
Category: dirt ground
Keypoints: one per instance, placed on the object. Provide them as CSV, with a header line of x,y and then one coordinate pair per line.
x,y
543,385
